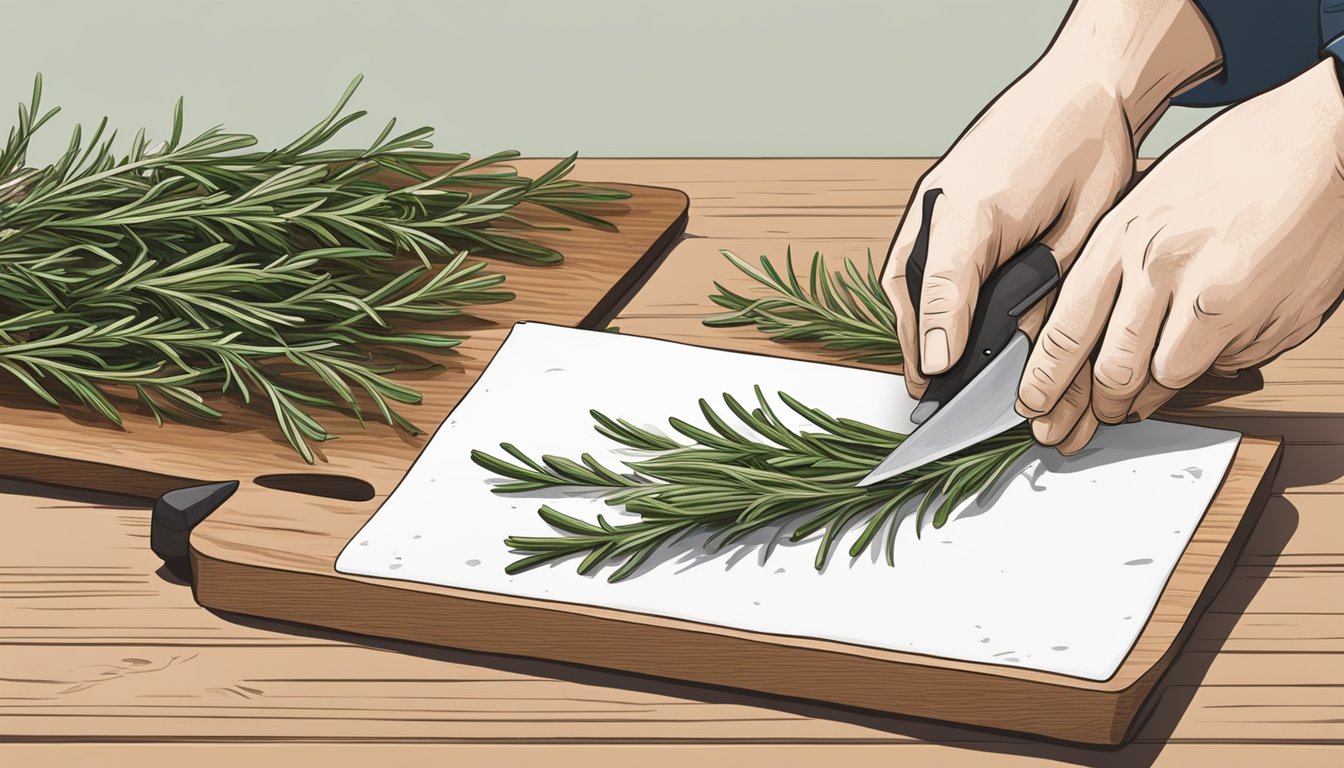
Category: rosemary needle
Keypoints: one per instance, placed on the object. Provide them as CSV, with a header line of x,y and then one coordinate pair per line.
x,y
202,263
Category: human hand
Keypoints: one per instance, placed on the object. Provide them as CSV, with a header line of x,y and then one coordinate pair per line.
x,y
1042,163
1228,253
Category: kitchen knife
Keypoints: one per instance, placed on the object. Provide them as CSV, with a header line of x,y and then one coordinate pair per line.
x,y
974,399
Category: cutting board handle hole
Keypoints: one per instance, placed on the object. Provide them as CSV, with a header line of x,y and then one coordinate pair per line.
x,y
341,487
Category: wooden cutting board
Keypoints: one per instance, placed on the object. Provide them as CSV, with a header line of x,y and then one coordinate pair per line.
x,y
601,271
273,555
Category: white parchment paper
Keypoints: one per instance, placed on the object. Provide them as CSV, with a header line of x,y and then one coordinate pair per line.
x,y
1057,570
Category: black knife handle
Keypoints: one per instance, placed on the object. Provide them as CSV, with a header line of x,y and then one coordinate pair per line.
x,y
175,514
919,254
1012,289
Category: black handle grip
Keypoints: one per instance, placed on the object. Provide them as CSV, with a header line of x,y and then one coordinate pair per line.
x,y
1012,289
919,254
175,514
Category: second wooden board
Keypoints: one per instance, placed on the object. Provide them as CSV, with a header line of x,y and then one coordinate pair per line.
x,y
602,269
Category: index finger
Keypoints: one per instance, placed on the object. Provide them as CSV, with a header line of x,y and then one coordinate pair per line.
x,y
1071,332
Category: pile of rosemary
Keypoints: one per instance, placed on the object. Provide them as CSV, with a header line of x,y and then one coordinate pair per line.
x,y
295,275
729,482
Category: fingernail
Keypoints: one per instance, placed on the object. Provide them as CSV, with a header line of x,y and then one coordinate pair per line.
x,y
935,353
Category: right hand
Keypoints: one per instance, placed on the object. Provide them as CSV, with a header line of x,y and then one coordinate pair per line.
x,y
1042,163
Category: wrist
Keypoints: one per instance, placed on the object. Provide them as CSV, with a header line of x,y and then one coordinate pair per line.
x,y
1318,99
1143,52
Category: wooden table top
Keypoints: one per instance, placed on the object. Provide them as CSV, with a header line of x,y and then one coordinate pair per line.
x,y
105,657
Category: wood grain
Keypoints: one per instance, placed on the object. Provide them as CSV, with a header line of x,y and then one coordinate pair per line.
x,y
264,556
660,755
1255,685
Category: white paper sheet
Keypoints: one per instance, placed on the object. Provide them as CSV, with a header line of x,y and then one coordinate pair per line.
x,y
1057,572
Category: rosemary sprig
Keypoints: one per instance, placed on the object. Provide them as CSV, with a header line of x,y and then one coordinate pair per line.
x,y
199,263
729,482
230,323
844,310
206,190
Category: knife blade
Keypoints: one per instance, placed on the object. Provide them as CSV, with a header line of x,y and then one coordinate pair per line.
x,y
982,409
982,383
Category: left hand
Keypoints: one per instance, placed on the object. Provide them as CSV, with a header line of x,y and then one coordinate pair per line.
x,y
1229,252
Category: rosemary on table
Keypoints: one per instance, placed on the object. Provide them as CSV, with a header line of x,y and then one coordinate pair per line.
x,y
202,263
845,310
729,482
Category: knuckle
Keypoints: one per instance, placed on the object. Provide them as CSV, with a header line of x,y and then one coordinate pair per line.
x,y
1117,368
1125,341
1165,255
1079,388
1058,343
1215,301
1077,394
942,295
1042,374
1114,380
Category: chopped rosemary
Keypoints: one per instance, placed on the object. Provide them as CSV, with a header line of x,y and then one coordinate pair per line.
x,y
199,263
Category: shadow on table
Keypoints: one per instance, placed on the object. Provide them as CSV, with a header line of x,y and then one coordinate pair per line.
x,y
1163,712
1313,441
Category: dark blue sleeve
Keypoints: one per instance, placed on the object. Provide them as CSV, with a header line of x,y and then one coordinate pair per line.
x,y
1265,43
1332,28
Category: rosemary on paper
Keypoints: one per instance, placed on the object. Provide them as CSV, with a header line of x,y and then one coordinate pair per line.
x,y
301,275
729,482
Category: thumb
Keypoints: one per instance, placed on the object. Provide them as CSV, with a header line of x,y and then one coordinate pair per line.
x,y
961,238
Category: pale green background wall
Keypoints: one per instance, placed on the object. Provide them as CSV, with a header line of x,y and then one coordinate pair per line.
x,y
605,77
